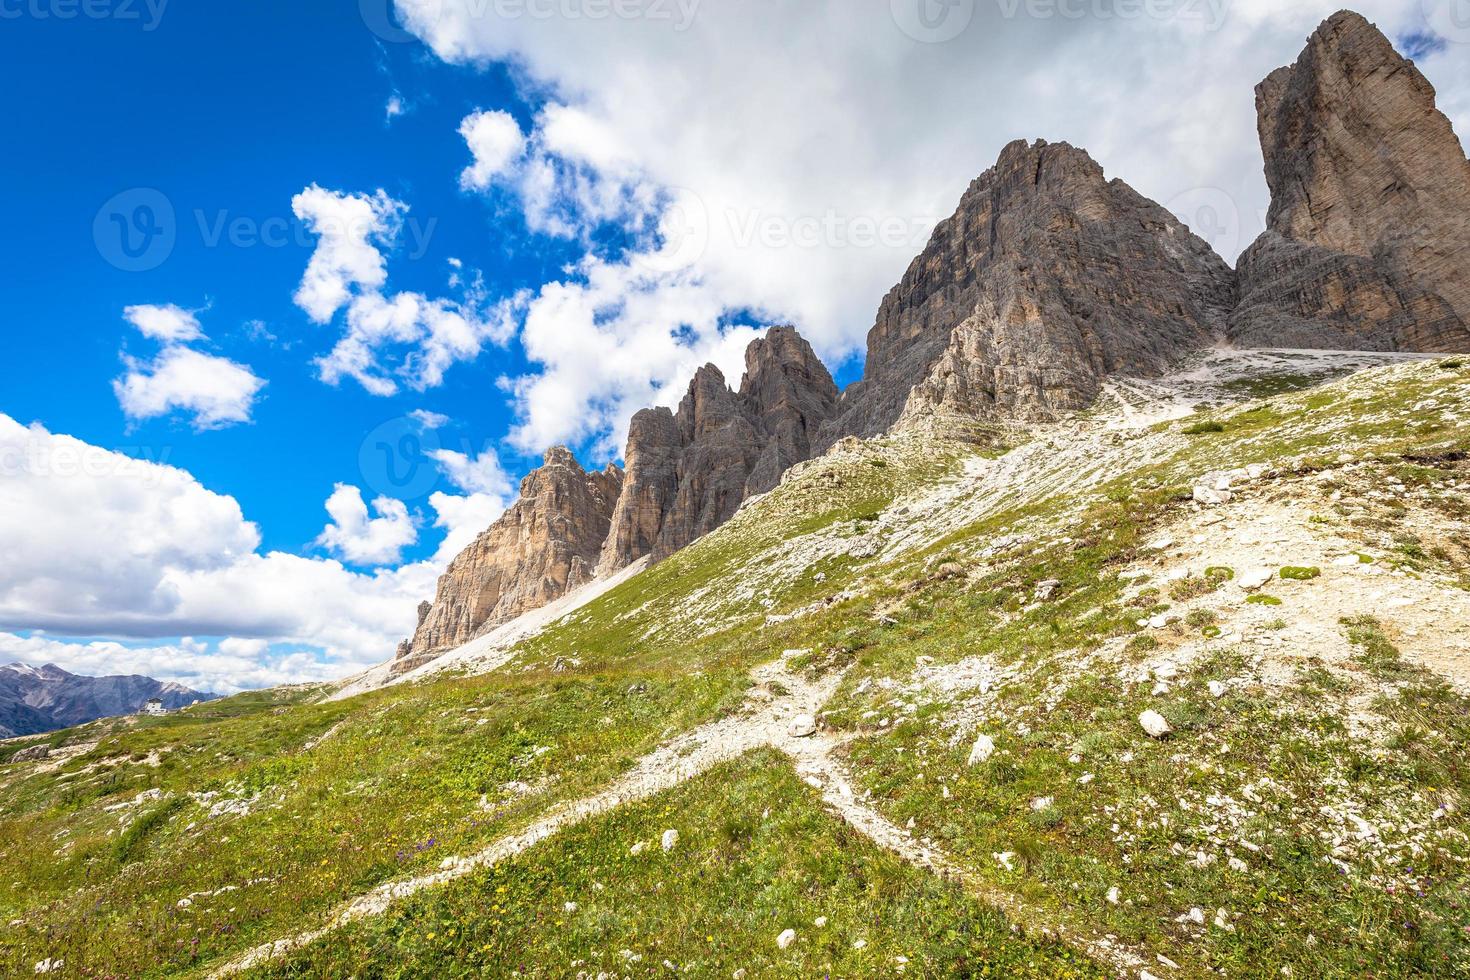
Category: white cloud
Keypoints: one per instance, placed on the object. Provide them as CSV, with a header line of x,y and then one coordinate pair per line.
x,y
362,540
479,474
100,544
169,323
427,420
463,519
818,145
224,668
496,141
215,391
394,108
404,336
349,229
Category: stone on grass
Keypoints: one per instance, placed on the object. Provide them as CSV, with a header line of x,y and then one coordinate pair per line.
x,y
33,753
984,748
670,838
637,848
1113,895
1155,724
786,939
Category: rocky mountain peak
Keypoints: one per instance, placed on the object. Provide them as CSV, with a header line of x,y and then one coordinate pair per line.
x,y
688,472
544,546
1047,278
1368,240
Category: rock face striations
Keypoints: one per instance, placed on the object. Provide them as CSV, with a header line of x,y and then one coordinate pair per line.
x,y
544,546
1047,278
1368,237
688,471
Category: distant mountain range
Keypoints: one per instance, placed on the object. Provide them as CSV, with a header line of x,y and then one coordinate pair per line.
x,y
41,699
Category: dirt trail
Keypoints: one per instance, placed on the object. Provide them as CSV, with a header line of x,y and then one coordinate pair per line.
x,y
772,716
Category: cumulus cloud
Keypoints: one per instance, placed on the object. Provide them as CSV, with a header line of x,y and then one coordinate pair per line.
x,y
476,474
101,544
814,147
389,338
463,519
169,323
496,142
364,540
214,391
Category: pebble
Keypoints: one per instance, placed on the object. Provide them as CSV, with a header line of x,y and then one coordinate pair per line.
x,y
786,939
670,838
1154,724
983,749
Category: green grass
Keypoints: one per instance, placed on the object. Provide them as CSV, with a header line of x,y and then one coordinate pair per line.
x,y
756,855
398,784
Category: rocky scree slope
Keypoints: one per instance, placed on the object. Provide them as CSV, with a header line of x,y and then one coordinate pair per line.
x,y
1049,280
954,648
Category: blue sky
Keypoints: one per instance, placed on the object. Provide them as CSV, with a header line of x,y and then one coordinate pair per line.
x,y
229,117
340,272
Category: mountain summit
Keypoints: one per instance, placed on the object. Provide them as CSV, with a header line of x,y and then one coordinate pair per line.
x,y
1047,280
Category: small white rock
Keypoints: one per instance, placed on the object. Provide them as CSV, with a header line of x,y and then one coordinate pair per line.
x,y
786,938
820,922
1113,896
802,726
1154,724
1041,803
983,749
637,848
1255,578
1006,859
1217,689
670,838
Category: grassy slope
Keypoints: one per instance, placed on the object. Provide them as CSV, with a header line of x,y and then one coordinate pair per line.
x,y
756,855
398,785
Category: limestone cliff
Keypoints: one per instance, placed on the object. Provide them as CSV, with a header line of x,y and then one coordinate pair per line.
x,y
544,546
1047,278
1368,237
688,471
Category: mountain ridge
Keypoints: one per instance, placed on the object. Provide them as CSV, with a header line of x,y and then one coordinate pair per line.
x,y
1050,278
